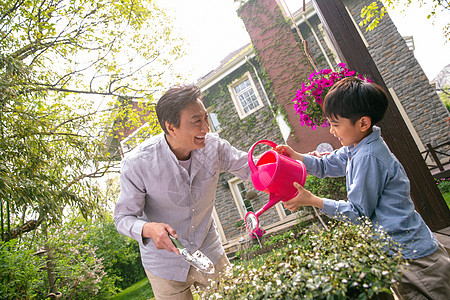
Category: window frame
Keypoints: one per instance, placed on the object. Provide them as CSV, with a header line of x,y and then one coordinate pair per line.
x,y
212,128
238,199
237,102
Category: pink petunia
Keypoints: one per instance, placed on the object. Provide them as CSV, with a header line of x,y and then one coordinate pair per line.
x,y
312,75
328,83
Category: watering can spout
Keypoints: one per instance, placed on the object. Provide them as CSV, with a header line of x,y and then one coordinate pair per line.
x,y
273,199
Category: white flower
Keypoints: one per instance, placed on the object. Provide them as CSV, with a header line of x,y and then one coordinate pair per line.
x,y
365,285
344,281
384,273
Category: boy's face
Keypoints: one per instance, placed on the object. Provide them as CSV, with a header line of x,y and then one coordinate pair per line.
x,y
346,132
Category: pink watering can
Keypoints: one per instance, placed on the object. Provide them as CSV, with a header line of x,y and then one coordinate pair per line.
x,y
273,174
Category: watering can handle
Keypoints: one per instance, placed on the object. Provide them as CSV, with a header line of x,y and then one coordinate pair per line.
x,y
251,163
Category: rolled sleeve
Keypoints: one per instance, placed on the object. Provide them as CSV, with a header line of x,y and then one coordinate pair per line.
x,y
331,165
233,160
329,207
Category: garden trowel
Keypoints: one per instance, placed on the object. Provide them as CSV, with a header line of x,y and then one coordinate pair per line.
x,y
196,259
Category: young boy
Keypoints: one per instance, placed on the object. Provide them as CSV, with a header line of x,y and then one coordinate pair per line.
x,y
377,186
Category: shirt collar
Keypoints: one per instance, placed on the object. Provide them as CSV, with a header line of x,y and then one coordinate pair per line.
x,y
196,155
375,135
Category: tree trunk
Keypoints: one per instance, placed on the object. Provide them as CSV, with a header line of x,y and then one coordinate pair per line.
x,y
50,267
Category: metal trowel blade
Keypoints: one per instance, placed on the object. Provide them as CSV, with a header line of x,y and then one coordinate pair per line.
x,y
196,259
199,260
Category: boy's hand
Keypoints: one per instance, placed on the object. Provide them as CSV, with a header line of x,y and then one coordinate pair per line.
x,y
318,154
288,151
303,198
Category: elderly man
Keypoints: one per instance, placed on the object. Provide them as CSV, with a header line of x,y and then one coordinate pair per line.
x,y
168,186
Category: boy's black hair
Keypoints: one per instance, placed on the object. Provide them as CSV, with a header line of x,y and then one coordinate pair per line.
x,y
353,98
173,102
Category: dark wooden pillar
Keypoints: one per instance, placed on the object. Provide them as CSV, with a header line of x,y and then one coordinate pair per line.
x,y
351,50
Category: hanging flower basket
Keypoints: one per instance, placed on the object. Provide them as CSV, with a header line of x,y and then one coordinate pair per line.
x,y
309,99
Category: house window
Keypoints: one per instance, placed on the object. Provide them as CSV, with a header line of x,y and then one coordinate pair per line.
x,y
248,206
287,212
245,96
239,192
214,124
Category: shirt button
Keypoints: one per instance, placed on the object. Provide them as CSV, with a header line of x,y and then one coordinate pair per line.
x,y
193,209
192,243
192,226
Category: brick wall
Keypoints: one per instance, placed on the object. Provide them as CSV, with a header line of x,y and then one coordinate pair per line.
x,y
283,59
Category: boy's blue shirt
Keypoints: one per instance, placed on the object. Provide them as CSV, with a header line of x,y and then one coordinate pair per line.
x,y
378,188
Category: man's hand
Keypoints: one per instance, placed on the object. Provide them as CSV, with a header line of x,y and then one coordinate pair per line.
x,y
303,198
159,233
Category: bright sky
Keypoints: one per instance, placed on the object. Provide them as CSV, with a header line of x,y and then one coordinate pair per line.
x,y
212,30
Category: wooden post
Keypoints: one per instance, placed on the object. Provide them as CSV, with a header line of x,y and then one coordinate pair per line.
x,y
351,50
435,157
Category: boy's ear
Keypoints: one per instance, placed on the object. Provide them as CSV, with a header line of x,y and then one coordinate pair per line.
x,y
365,123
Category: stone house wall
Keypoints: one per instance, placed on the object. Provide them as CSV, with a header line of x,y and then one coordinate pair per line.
x,y
242,134
402,72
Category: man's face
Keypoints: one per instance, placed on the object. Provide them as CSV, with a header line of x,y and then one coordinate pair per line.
x,y
190,135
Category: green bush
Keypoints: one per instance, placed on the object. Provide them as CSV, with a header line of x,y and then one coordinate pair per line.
x,y
331,188
19,269
78,270
279,238
443,185
120,254
347,262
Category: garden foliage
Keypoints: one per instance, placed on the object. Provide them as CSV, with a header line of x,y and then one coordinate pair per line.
x,y
347,262
328,187
19,271
90,260
70,74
